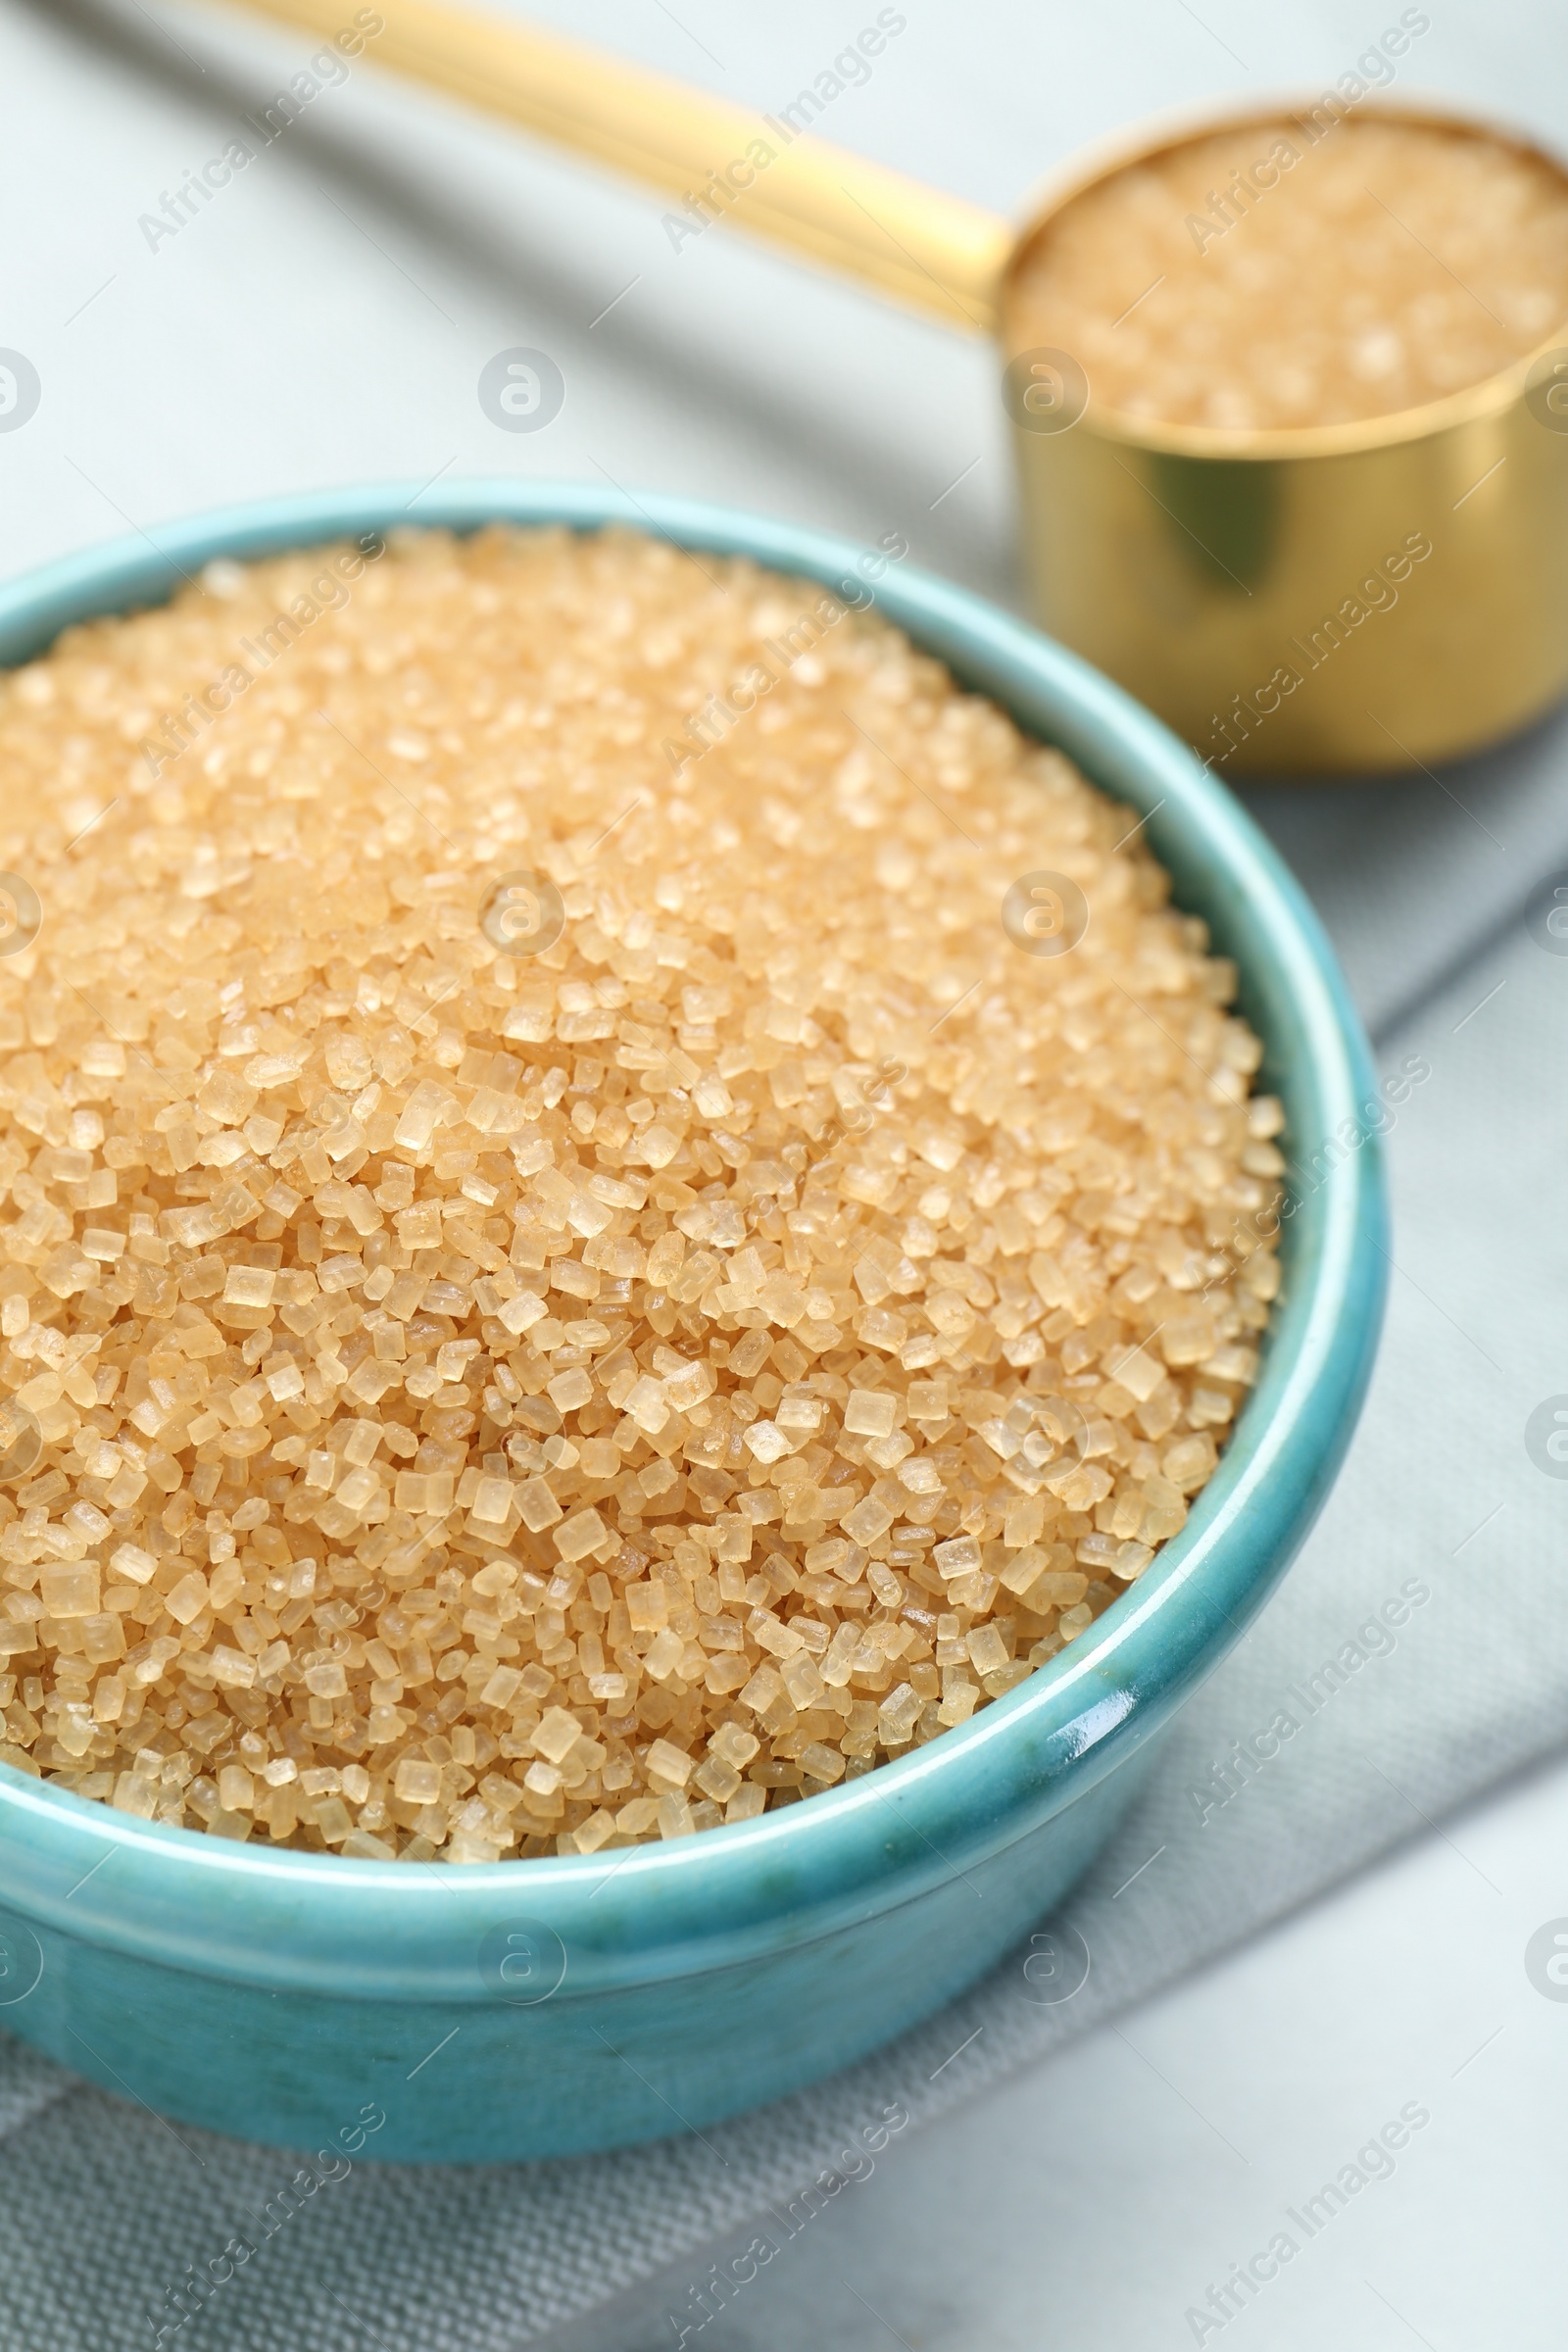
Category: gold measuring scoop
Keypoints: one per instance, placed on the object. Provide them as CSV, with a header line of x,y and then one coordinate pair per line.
x,y
1201,567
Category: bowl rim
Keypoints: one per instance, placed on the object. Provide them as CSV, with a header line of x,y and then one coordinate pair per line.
x,y
278,1918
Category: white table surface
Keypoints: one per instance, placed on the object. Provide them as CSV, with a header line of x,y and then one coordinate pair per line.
x,y
1095,2200
324,321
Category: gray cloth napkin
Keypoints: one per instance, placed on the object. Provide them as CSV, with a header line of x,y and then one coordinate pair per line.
x,y
727,373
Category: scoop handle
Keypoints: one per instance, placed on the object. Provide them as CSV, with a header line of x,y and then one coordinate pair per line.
x,y
719,160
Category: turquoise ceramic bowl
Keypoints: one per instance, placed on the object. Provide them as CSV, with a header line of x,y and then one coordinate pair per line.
x,y
525,2009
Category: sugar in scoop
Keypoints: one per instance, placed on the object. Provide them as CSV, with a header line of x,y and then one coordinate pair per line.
x,y
1309,270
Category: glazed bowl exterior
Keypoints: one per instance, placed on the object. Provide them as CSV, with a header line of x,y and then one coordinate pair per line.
x,y
549,2007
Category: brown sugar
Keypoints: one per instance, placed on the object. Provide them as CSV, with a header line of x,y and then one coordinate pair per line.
x,y
1302,273
563,1279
